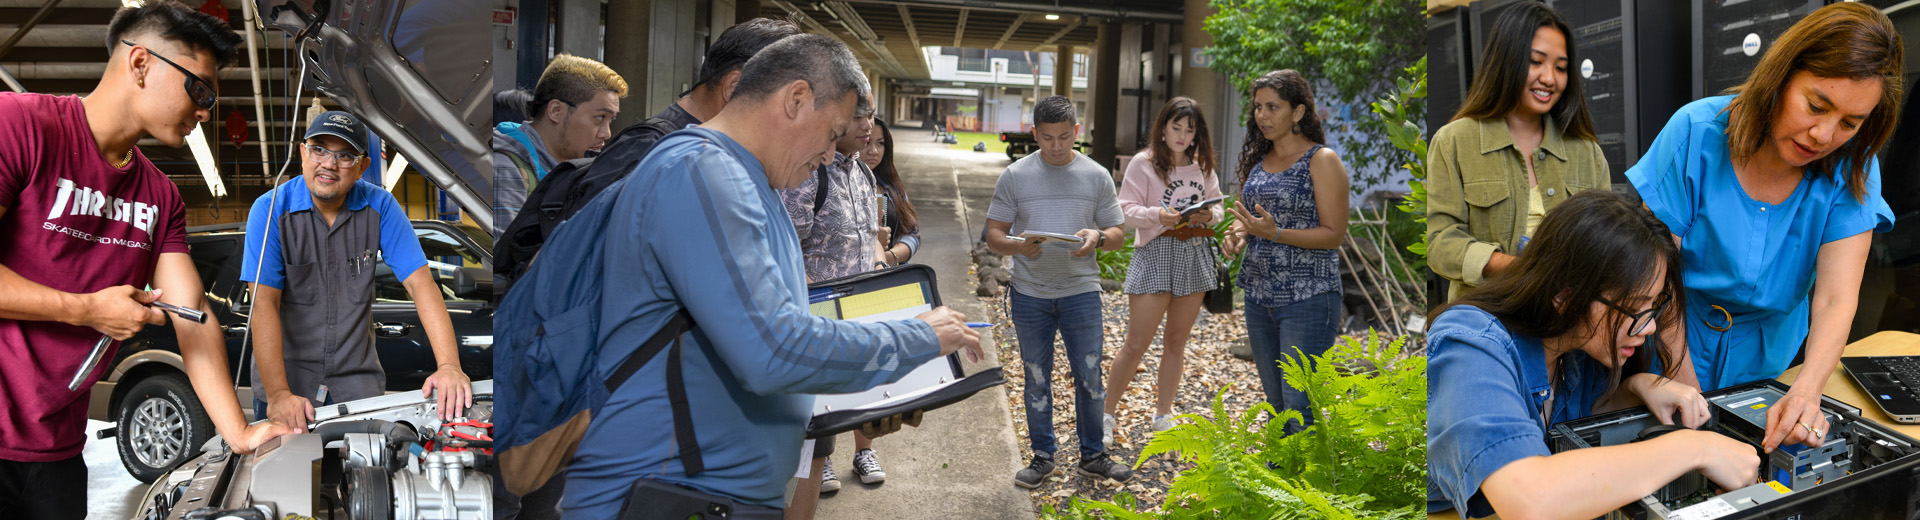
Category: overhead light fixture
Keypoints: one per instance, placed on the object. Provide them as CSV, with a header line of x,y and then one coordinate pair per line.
x,y
1053,17
391,177
203,157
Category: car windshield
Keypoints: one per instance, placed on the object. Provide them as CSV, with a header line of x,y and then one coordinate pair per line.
x,y
448,260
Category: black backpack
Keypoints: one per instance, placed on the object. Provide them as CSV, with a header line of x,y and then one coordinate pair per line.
x,y
569,187
566,189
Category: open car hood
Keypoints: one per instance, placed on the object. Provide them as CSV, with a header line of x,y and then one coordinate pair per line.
x,y
421,88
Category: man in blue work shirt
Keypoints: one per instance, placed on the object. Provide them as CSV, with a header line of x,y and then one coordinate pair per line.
x,y
314,277
707,233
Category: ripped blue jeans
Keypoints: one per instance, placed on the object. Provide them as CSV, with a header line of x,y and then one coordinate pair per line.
x,y
1078,320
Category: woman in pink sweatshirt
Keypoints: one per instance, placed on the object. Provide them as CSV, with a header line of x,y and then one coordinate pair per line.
x,y
1172,267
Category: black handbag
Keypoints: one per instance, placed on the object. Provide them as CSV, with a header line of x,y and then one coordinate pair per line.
x,y
1220,299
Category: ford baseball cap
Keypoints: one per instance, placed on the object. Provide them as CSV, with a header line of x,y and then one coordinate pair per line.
x,y
340,124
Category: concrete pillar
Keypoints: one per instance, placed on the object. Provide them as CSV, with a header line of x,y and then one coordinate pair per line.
x,y
579,31
876,90
1062,72
744,10
532,47
1106,93
627,51
1202,83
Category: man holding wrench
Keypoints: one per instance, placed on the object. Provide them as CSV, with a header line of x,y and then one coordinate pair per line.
x,y
85,222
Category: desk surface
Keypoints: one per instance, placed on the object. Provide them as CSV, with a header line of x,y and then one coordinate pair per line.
x,y
1840,386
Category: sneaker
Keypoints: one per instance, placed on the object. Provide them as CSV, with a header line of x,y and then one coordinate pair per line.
x,y
1106,431
1102,466
867,465
1162,423
828,481
1036,472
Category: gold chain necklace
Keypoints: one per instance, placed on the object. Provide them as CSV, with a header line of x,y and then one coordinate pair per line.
x,y
128,159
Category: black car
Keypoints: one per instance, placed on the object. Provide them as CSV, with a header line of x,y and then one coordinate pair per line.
x,y
1020,144
160,419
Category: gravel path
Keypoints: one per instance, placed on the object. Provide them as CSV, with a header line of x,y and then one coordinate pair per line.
x,y
1208,367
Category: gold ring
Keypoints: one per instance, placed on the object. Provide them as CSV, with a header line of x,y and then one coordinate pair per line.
x,y
1723,328
1803,424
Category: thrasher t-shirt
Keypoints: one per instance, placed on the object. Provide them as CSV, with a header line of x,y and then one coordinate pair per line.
x,y
74,223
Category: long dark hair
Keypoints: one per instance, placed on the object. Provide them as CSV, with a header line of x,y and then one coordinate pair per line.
x,y
1293,89
1594,245
1843,40
896,189
1502,78
1202,149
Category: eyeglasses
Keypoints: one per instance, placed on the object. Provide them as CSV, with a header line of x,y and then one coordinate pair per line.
x,y
1643,318
319,154
200,90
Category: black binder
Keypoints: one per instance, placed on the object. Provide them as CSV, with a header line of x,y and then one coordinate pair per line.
x,y
937,384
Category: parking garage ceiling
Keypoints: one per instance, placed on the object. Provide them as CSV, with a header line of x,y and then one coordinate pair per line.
x,y
888,34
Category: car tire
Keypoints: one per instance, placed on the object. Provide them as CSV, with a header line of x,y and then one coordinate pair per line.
x,y
160,425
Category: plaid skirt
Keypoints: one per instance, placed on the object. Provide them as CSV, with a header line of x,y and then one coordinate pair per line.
x,y
1174,266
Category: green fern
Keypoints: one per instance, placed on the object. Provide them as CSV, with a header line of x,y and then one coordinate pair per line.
x,y
1364,456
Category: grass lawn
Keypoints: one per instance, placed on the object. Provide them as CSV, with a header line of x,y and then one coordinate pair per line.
x,y
968,138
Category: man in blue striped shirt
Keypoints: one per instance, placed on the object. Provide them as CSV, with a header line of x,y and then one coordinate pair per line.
x,y
708,233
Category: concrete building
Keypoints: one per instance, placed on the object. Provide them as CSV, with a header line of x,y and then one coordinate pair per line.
x,y
925,58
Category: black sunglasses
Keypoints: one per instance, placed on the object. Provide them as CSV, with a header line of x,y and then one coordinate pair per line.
x,y
200,90
1643,318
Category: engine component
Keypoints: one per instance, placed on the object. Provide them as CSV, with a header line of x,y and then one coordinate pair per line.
x,y
366,450
284,476
370,494
442,486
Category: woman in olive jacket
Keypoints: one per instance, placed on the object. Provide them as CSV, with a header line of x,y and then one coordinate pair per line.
x,y
1521,144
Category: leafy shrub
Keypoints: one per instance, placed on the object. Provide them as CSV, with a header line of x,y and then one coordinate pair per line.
x,y
1364,456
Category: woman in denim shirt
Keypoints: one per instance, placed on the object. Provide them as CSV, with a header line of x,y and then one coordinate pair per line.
x,y
1547,343
1520,144
1296,188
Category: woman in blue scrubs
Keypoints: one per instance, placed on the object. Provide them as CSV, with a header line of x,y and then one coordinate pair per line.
x,y
1771,192
1548,341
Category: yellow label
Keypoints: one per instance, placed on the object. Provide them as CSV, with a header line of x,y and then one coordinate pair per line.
x,y
1758,406
1775,484
884,300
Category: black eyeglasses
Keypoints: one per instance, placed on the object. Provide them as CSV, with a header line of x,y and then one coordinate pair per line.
x,y
1643,318
200,90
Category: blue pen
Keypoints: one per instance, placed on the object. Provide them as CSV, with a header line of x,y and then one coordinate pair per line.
x,y
978,325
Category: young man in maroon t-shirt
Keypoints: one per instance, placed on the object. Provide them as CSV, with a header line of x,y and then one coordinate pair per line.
x,y
86,222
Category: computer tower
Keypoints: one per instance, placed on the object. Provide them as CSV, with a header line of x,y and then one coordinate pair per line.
x,y
1863,470
1634,82
1730,36
1450,65
1481,17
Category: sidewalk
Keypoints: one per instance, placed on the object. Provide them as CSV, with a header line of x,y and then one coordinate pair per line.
x,y
960,462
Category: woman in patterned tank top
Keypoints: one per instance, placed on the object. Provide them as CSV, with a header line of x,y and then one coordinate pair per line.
x,y
1292,215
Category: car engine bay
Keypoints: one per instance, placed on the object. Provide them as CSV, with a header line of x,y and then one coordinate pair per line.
x,y
383,458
